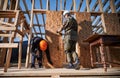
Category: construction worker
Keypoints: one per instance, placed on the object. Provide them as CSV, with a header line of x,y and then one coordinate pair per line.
x,y
70,38
36,51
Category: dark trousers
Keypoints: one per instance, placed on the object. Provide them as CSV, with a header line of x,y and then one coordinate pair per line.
x,y
39,59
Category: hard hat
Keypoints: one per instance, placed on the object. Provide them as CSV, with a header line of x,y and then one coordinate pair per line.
x,y
66,12
43,45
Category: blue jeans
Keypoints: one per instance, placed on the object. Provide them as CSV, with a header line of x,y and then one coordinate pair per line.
x,y
39,59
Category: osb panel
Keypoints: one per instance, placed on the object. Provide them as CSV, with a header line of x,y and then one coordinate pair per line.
x,y
112,23
53,23
84,31
115,56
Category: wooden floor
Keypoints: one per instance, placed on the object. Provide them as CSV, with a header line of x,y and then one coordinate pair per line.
x,y
59,73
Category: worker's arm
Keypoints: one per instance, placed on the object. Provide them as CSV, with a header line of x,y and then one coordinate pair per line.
x,y
65,24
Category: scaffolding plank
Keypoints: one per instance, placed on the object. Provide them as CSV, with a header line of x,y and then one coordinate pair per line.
x,y
8,45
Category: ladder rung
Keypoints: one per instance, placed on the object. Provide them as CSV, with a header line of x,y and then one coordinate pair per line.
x,y
7,28
5,35
8,45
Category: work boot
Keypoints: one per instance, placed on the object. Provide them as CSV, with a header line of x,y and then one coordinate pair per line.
x,y
40,65
33,66
70,66
77,65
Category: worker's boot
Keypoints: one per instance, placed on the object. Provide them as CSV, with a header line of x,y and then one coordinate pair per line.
x,y
70,66
77,64
33,66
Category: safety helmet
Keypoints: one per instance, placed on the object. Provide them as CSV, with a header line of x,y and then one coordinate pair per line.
x,y
66,12
43,45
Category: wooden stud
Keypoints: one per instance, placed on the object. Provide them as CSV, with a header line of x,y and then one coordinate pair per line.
x,y
81,1
8,45
29,36
112,5
74,5
87,4
60,4
20,47
101,6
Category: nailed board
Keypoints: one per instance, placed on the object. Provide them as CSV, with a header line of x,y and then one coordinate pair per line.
x,y
84,31
112,24
53,23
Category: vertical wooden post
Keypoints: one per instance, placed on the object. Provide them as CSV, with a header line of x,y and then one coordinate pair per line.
x,y
5,4
112,5
101,5
87,4
103,23
47,4
91,56
103,57
29,36
17,4
74,5
60,4
20,46
1,4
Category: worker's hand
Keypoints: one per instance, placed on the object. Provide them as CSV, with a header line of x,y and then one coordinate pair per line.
x,y
57,31
60,33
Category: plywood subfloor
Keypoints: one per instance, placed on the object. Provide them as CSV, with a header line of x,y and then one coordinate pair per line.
x,y
60,73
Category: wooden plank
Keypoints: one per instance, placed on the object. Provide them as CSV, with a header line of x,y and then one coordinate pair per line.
x,y
112,5
60,4
80,5
64,4
41,11
5,35
87,4
8,28
29,36
74,5
20,47
101,5
8,45
5,23
5,4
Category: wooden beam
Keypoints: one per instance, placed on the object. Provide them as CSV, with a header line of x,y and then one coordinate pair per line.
x,y
7,28
60,4
5,4
87,4
29,36
1,4
20,46
5,35
5,23
8,45
101,6
17,4
112,5
81,1
40,11
20,32
56,5
47,3
64,4
74,5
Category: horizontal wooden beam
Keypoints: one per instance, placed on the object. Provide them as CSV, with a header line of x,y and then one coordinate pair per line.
x,y
39,11
5,35
5,23
8,28
20,32
8,45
